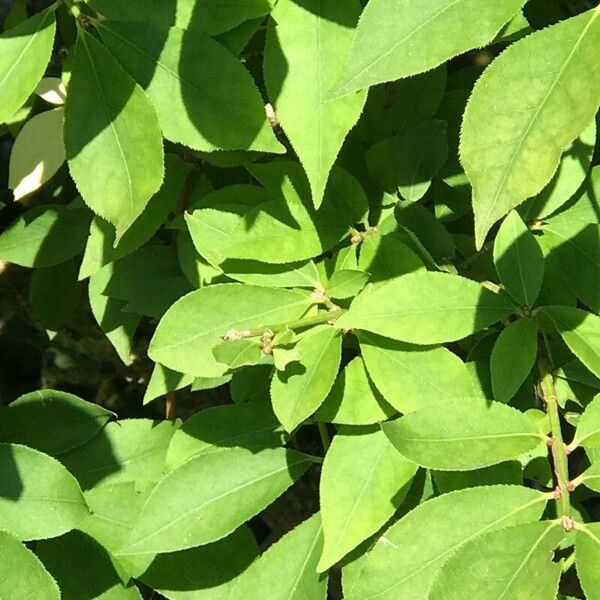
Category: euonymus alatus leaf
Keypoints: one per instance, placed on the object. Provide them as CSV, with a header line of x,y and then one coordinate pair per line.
x,y
177,68
404,562
519,260
249,425
288,568
39,498
23,575
82,567
37,154
210,495
353,399
115,152
410,377
587,558
126,450
591,477
588,428
45,236
307,45
572,237
51,421
526,108
101,247
297,392
463,434
426,308
288,228
580,331
363,482
519,557
512,358
196,323
210,570
398,38
24,54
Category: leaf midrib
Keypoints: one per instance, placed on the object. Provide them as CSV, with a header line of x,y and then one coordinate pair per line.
x,y
214,499
536,114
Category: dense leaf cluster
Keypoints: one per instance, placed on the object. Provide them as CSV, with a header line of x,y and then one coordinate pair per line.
x,y
376,220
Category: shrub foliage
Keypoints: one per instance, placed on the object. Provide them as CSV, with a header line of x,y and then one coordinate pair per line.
x,y
378,221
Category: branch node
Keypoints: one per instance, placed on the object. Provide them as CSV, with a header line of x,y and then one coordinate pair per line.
x,y
567,522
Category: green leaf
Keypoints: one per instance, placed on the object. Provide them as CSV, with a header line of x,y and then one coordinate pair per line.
x,y
51,421
149,280
216,17
84,569
394,106
423,227
250,425
52,90
217,215
195,324
24,54
288,568
520,558
401,38
165,380
288,228
508,472
426,308
45,236
411,377
575,251
178,70
386,257
210,495
463,434
307,45
587,557
588,428
39,498
408,163
118,326
298,391
127,450
346,283
404,562
530,94
239,353
54,293
114,509
208,572
572,171
519,260
23,575
102,248
115,152
364,481
591,477
297,274
581,332
353,399
37,154
513,357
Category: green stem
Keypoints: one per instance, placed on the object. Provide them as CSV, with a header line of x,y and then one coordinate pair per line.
x,y
568,562
325,439
557,445
322,317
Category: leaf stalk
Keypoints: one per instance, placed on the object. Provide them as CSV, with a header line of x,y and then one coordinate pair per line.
x,y
322,317
557,445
